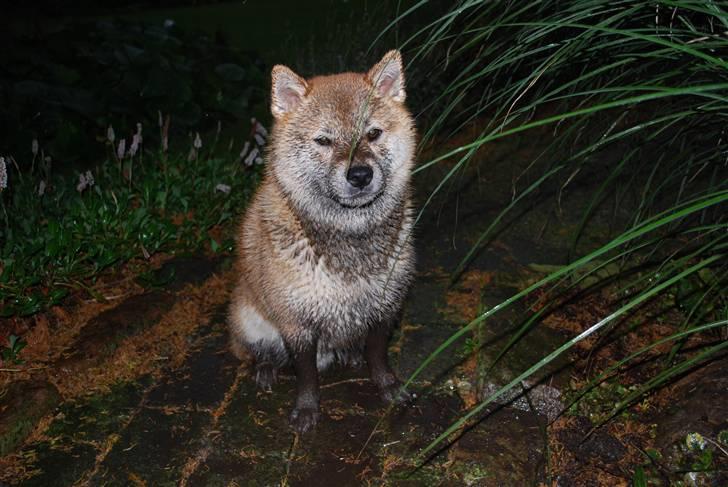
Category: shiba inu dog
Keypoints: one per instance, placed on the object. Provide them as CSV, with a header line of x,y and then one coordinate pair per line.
x,y
325,251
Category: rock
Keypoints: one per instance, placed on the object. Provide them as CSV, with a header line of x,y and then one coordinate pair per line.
x,y
546,400
506,448
698,405
599,449
696,419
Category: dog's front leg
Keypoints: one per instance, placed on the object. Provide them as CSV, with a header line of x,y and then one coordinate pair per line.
x,y
306,413
390,387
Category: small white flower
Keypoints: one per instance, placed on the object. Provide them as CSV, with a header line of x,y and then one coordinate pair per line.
x,y
223,188
251,157
34,147
82,183
3,174
259,140
136,141
197,144
259,160
110,135
259,129
41,188
90,179
121,150
85,180
134,147
246,147
164,130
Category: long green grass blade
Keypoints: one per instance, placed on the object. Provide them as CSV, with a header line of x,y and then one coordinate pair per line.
x,y
566,346
713,199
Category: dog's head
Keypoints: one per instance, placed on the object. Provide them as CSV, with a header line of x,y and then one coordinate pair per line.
x,y
343,145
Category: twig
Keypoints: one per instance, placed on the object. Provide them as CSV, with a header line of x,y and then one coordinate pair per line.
x,y
717,445
291,452
345,381
22,370
374,430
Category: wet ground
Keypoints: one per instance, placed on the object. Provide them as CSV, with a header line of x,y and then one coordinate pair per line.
x,y
186,412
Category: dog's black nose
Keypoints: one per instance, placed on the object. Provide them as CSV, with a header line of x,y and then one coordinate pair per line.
x,y
359,176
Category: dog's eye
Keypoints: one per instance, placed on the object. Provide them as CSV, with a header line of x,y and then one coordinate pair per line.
x,y
324,141
373,134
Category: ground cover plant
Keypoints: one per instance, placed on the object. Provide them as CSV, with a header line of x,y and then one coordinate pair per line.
x,y
635,95
103,160
60,232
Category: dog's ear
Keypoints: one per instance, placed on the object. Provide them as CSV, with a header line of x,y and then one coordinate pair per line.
x,y
287,90
387,77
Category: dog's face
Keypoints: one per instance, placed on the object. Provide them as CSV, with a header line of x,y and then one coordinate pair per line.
x,y
343,145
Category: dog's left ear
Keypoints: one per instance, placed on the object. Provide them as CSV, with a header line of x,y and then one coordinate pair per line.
x,y
387,77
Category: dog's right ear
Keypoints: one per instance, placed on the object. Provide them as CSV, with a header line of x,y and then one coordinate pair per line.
x,y
287,91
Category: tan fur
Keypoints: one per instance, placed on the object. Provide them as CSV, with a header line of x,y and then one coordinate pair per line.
x,y
315,263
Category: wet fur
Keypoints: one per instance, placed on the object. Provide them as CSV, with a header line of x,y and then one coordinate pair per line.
x,y
314,272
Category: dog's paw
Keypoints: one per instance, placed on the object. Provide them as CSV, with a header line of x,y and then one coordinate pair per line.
x,y
265,377
304,419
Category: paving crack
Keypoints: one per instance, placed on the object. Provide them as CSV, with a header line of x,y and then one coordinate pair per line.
x,y
193,462
111,440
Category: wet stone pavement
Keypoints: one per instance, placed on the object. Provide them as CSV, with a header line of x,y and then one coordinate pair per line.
x,y
203,422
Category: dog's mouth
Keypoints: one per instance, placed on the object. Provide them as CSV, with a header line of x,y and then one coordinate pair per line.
x,y
361,200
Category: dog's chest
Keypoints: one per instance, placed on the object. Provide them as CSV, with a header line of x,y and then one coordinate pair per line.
x,y
347,287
